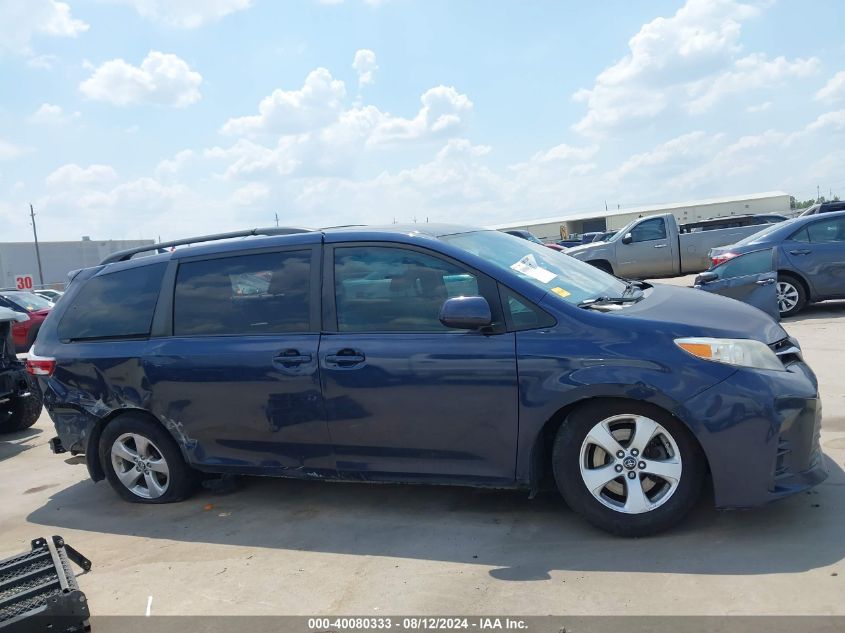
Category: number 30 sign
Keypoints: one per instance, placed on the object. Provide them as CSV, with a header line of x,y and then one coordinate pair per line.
x,y
23,282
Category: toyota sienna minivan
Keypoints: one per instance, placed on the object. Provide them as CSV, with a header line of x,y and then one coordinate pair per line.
x,y
424,354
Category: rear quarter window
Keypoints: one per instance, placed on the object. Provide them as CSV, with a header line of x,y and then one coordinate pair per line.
x,y
114,305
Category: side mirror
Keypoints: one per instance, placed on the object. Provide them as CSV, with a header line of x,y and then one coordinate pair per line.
x,y
706,277
466,313
627,238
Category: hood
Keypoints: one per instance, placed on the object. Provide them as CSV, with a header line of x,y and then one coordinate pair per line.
x,y
584,247
691,312
11,315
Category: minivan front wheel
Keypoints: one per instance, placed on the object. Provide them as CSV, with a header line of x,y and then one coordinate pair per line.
x,y
143,463
628,468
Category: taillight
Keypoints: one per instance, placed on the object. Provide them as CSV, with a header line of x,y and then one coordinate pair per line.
x,y
40,365
721,258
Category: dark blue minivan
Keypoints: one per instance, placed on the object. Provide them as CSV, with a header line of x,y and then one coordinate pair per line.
x,y
424,354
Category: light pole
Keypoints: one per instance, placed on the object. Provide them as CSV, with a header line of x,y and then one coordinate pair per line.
x,y
37,250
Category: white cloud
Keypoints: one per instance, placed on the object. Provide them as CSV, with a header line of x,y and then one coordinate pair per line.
x,y
314,105
161,79
311,131
186,14
365,65
443,112
691,58
834,89
749,73
72,175
8,151
172,166
250,194
50,114
20,22
43,62
833,121
564,152
759,107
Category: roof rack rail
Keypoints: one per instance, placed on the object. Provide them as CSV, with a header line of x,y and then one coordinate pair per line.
x,y
124,255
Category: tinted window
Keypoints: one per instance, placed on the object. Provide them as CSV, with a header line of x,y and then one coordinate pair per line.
x,y
654,229
800,236
523,314
248,294
394,289
114,305
748,264
827,231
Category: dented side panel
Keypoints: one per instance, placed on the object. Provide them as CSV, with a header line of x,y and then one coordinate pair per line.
x,y
224,400
102,378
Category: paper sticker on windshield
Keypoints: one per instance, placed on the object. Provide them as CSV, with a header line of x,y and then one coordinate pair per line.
x,y
560,291
528,266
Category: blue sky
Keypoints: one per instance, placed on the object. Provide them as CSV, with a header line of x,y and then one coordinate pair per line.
x,y
130,118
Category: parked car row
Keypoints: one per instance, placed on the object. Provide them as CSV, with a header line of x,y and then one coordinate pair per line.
x,y
783,267
528,235
430,354
656,246
34,307
20,398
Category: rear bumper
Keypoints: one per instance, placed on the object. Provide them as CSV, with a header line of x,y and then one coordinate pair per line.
x,y
760,432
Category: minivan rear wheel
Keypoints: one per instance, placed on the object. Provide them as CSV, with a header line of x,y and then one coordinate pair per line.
x,y
143,463
628,468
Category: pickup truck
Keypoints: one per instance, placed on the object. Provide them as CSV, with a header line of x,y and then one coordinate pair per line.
x,y
656,246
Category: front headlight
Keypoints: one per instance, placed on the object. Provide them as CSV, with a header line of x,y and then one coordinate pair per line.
x,y
740,352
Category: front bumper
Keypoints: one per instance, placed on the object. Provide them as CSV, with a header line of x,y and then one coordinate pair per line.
x,y
760,433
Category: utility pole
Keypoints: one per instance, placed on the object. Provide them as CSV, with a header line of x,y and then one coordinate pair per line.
x,y
277,219
818,195
37,251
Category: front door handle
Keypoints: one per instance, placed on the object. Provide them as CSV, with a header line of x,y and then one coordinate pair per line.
x,y
345,358
660,245
799,252
292,358
764,282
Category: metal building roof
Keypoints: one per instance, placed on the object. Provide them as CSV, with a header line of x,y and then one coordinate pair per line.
x,y
651,208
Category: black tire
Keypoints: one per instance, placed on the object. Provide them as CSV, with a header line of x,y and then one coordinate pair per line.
x,y
786,283
602,265
566,460
182,480
21,412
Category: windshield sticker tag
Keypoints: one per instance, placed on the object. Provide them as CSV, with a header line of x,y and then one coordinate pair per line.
x,y
528,266
560,291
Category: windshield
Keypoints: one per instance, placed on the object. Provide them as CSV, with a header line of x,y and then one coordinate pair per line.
x,y
29,301
558,273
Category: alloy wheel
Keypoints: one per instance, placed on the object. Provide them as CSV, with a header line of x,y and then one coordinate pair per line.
x,y
787,296
140,465
630,463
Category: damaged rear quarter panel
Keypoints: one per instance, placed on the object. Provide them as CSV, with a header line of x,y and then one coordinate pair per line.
x,y
103,379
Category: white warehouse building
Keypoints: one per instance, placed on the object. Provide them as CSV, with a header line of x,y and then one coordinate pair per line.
x,y
562,225
57,259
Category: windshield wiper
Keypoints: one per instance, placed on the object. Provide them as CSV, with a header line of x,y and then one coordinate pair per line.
x,y
597,301
631,285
